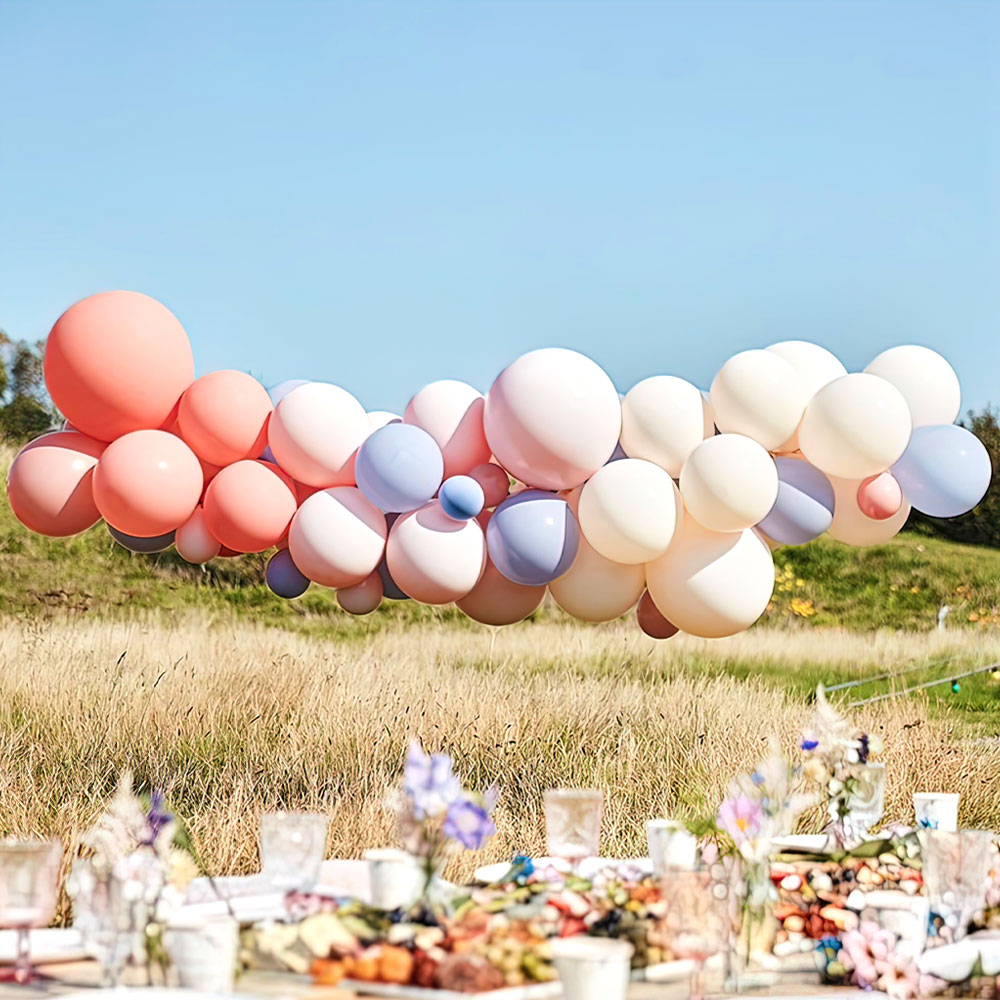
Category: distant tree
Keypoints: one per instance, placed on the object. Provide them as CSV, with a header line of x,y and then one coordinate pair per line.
x,y
25,408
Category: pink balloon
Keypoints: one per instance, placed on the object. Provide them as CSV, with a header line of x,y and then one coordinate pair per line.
x,y
147,483
651,621
223,417
880,497
452,413
494,481
194,542
249,505
497,601
50,484
363,598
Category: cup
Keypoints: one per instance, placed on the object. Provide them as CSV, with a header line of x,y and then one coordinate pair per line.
x,y
936,810
292,847
395,878
203,953
670,846
593,968
573,823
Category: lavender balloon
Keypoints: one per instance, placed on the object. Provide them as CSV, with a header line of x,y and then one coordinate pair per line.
x,y
804,508
533,538
284,577
399,467
144,546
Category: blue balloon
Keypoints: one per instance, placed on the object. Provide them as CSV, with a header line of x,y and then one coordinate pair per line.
x,y
533,538
462,498
945,470
144,546
804,508
282,389
284,577
399,468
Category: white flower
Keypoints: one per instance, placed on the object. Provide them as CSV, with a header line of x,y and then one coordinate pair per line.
x,y
835,787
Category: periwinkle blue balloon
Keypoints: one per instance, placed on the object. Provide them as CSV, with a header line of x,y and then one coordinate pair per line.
x,y
804,507
283,576
399,467
533,538
282,389
144,546
462,498
389,588
945,470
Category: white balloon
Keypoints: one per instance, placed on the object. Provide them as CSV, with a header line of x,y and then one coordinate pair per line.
x,y
853,527
195,543
928,383
729,483
710,584
337,537
814,366
452,413
363,598
663,419
377,419
855,427
627,511
314,433
758,394
596,589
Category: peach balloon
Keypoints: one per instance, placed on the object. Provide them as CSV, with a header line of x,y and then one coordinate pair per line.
x,y
651,621
223,417
452,413
249,505
147,483
494,481
495,600
195,543
50,484
363,598
117,362
879,497
595,589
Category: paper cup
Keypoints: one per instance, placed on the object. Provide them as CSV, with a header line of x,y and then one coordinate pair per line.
x,y
670,846
936,810
202,953
395,878
593,968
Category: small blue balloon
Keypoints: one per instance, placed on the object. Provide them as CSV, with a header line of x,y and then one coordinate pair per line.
x,y
945,470
282,389
284,577
533,538
804,508
462,498
144,546
399,468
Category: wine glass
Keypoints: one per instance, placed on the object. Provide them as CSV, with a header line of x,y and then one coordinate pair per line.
x,y
292,848
573,823
29,884
696,922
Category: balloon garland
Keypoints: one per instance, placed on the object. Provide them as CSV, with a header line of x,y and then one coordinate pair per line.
x,y
667,499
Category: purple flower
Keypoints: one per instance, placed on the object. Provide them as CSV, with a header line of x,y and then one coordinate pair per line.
x,y
810,744
469,823
429,782
741,817
157,817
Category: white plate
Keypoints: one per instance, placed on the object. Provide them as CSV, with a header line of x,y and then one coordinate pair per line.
x,y
150,993
48,945
586,869
534,991
808,843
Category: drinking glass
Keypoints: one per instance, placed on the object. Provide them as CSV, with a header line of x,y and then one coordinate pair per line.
x,y
292,847
956,867
573,823
29,884
697,921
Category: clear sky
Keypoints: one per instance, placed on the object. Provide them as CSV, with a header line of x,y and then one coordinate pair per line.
x,y
382,194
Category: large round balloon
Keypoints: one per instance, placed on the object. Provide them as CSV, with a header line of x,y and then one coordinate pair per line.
x,y
147,483
433,558
399,468
758,394
814,366
278,392
494,482
452,413
710,584
50,483
533,538
552,418
223,417
284,578
363,598
855,427
314,433
142,545
803,509
117,362
664,419
852,526
945,471
379,418
337,537
651,621
928,383
596,589
195,543
729,483
495,600
462,497
249,505
628,509
879,497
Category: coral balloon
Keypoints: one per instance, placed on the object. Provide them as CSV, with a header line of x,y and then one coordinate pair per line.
x,y
596,589
803,509
363,598
495,600
143,546
50,484
879,497
249,505
928,383
223,417
651,621
627,511
314,433
852,526
434,558
147,483
494,482
283,576
117,362
533,538
399,468
195,543
552,418
337,537
452,413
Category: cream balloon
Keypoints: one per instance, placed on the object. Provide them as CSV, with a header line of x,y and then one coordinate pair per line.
x,y
315,431
495,600
855,427
596,589
729,483
814,366
195,543
452,413
337,537
363,598
710,584
851,526
628,509
758,394
664,418
928,383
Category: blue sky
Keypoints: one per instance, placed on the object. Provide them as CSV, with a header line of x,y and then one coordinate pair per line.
x,y
382,194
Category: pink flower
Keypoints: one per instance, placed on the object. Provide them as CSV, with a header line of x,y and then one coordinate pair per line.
x,y
742,818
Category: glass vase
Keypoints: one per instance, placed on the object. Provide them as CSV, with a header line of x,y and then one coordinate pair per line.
x,y
754,926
